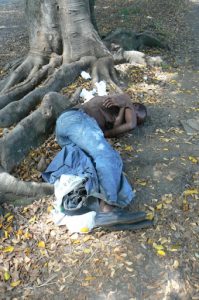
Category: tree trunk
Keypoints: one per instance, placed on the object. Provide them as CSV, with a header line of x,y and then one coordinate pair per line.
x,y
63,41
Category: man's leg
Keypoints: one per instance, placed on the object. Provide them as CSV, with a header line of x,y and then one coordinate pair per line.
x,y
82,130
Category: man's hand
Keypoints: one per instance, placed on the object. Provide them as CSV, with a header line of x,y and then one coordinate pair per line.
x,y
121,100
120,118
108,102
130,122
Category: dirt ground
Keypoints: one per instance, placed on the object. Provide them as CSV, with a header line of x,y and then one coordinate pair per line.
x,y
161,158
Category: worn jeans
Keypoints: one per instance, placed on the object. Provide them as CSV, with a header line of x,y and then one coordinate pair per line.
x,y
75,126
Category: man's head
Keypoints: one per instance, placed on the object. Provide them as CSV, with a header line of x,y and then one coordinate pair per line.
x,y
141,112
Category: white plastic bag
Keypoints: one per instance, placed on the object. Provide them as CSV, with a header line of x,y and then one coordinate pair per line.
x,y
85,75
87,95
80,224
101,88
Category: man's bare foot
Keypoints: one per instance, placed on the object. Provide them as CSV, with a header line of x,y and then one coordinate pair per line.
x,y
104,207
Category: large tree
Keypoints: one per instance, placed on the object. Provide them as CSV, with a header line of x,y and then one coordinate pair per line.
x,y
63,41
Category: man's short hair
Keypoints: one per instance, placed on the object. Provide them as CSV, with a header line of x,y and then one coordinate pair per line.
x,y
141,112
141,108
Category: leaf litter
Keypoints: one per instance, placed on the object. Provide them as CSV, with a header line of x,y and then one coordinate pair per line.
x,y
35,254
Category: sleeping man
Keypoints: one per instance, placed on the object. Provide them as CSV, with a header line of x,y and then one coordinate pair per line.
x,y
82,132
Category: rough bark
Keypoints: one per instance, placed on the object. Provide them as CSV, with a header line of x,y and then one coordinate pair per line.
x,y
33,130
19,192
63,41
17,110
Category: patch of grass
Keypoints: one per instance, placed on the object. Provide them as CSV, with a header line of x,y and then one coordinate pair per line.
x,y
165,66
126,11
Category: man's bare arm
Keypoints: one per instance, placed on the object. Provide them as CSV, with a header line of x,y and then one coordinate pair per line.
x,y
121,100
130,123
120,118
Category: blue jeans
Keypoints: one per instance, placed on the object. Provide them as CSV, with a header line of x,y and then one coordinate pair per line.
x,y
75,126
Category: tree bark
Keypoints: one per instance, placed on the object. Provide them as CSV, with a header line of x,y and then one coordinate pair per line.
x,y
19,192
63,41
32,131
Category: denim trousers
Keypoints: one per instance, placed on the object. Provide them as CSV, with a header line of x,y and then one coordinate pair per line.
x,y
75,126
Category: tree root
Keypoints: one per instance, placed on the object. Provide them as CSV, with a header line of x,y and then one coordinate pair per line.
x,y
9,67
24,88
12,189
19,192
17,110
59,51
32,131
33,80
103,69
22,72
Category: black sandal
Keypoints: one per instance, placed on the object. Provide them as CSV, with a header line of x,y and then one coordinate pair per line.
x,y
119,216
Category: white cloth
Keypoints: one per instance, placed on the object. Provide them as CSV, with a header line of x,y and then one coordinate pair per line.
x,y
81,223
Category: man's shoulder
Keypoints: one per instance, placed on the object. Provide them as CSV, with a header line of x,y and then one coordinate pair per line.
x,y
95,101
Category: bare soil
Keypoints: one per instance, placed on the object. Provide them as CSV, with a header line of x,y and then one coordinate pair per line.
x,y
161,161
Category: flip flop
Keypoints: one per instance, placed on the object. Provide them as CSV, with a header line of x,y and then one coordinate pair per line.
x,y
134,226
119,217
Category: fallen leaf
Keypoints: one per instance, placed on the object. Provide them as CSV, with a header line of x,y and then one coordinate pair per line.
x,y
150,216
41,244
87,238
176,264
7,215
19,232
61,288
6,234
32,220
112,273
173,227
168,201
129,269
161,252
174,248
128,148
166,140
27,235
49,209
159,206
84,230
194,160
159,130
8,249
141,182
173,81
76,242
191,192
158,247
128,263
89,278
10,218
73,236
15,283
167,198
185,205
163,240
150,241
6,276
87,250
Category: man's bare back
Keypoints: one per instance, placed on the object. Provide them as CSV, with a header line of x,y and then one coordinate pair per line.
x,y
115,114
